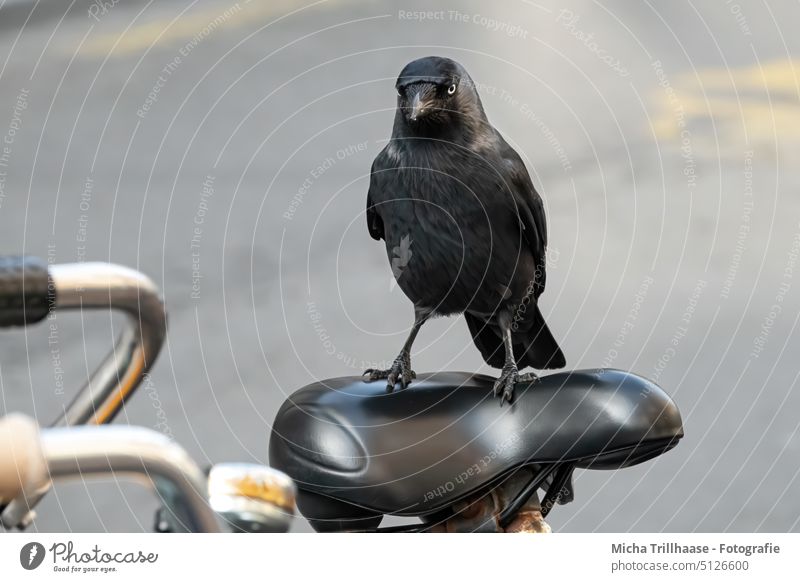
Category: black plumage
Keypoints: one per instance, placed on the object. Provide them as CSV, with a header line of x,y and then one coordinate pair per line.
x,y
464,228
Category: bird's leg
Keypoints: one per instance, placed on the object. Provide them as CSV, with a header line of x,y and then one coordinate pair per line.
x,y
401,368
509,376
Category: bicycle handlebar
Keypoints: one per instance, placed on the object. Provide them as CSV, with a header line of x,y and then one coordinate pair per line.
x,y
104,286
21,463
30,460
30,291
26,292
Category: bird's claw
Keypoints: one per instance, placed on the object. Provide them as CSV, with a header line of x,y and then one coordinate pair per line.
x,y
373,374
510,377
400,372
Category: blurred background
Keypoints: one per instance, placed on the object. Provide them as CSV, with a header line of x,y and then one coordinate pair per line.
x,y
223,148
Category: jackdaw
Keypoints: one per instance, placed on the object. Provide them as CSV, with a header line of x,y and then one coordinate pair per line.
x,y
463,226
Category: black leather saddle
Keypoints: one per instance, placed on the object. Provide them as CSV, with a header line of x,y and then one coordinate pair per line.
x,y
357,452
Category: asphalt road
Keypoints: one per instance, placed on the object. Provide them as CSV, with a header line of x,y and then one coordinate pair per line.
x,y
224,148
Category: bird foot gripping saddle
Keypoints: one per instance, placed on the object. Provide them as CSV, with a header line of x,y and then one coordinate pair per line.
x,y
444,451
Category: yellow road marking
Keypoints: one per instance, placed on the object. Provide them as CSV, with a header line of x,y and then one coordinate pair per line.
x,y
191,26
767,105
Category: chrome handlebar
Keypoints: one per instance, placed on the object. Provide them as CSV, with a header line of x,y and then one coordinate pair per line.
x,y
108,286
134,451
246,497
40,457
94,286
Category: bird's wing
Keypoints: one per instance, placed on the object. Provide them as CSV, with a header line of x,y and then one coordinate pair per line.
x,y
374,220
529,208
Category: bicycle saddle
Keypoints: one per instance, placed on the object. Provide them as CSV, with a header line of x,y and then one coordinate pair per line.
x,y
357,452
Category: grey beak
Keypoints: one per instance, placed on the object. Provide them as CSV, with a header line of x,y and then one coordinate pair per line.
x,y
417,107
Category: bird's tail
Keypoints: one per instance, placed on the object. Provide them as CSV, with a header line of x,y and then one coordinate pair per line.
x,y
535,348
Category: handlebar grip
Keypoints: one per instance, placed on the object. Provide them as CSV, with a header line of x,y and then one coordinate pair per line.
x,y
26,291
22,463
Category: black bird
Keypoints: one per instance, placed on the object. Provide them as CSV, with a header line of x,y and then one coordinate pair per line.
x,y
464,227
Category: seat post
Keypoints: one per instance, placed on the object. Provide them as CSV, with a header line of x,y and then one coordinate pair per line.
x,y
528,518
502,509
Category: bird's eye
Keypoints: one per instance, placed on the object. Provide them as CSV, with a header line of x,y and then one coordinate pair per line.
x,y
400,91
451,89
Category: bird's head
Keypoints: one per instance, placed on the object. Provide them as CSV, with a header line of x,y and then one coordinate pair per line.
x,y
436,91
